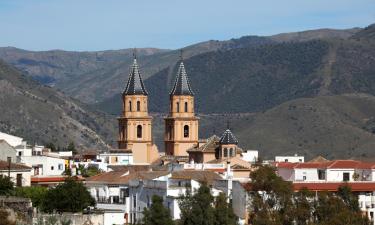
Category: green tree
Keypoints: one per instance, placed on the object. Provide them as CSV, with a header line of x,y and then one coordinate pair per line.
x,y
35,193
224,214
198,209
71,196
350,200
51,146
157,214
6,185
71,147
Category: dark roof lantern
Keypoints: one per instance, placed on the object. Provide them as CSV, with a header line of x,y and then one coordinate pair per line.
x,y
228,138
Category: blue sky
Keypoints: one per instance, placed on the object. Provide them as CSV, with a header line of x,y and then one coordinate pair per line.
x,y
113,24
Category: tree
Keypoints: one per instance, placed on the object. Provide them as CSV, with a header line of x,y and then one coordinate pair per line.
x,y
71,196
224,214
198,209
157,214
273,202
51,146
71,147
35,193
6,185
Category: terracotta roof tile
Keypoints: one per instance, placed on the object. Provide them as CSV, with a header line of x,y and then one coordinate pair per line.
x,y
198,175
14,166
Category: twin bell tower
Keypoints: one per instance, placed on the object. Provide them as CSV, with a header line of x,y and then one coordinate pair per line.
x,y
135,124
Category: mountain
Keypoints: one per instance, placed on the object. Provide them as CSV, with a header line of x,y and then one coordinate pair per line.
x,y
94,77
340,126
41,114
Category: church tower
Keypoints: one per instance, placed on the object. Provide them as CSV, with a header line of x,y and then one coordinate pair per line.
x,y
135,123
181,125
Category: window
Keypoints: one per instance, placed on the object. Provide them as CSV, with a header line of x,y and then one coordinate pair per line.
x,y
116,199
134,201
304,177
61,166
186,107
19,179
178,107
52,168
346,177
231,153
139,131
186,131
170,131
225,152
130,106
19,153
148,201
321,174
286,160
138,106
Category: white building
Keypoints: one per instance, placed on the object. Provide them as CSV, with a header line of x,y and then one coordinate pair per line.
x,y
169,186
330,175
44,165
250,156
293,159
19,173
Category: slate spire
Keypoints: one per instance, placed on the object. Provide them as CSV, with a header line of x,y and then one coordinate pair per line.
x,y
228,138
135,84
182,84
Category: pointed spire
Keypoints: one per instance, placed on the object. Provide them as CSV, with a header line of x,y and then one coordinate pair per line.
x,y
135,84
182,84
228,138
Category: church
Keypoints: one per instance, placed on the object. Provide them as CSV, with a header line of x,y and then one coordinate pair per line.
x,y
181,124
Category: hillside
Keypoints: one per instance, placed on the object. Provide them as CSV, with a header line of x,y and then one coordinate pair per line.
x,y
96,76
340,126
41,115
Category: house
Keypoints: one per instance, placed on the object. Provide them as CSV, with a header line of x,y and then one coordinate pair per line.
x,y
20,174
6,150
327,171
294,159
168,185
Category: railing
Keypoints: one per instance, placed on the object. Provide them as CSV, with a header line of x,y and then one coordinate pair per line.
x,y
203,166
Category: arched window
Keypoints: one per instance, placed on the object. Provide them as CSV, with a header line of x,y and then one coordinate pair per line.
x,y
186,131
130,106
178,106
231,152
138,106
186,106
225,152
139,131
170,132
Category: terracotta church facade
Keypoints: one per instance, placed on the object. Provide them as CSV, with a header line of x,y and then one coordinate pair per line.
x,y
135,123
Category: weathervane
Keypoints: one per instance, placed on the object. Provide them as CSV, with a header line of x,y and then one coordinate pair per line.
x,y
181,56
135,53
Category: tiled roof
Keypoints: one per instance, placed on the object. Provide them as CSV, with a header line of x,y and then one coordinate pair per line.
x,y
235,163
13,166
319,159
52,179
327,186
336,164
197,175
123,177
209,146
228,138
182,84
355,186
135,84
